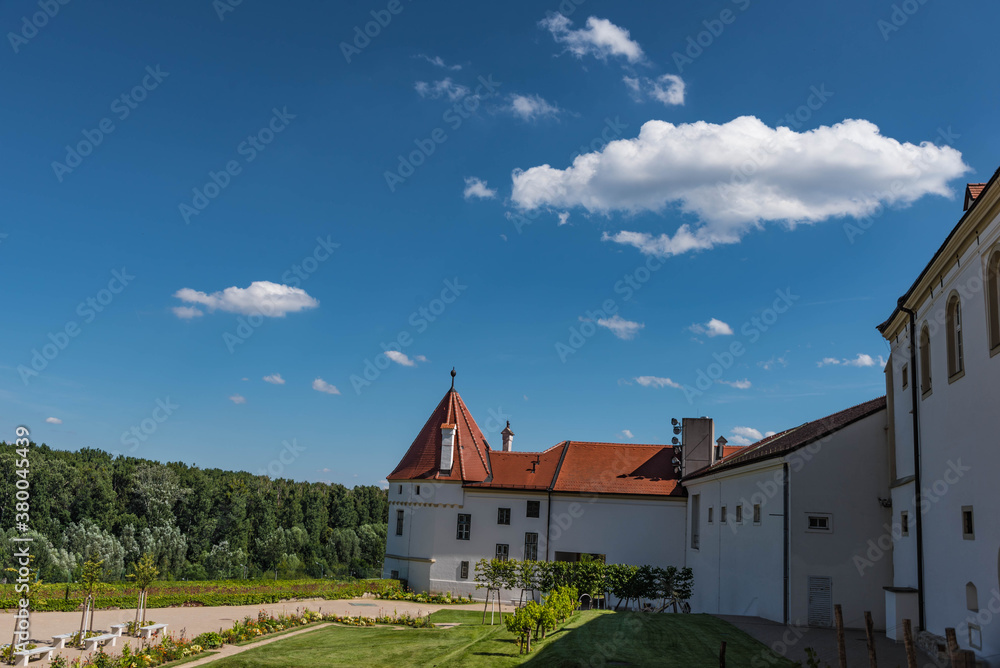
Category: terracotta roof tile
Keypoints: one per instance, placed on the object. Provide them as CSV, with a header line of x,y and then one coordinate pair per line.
x,y
793,439
519,470
618,468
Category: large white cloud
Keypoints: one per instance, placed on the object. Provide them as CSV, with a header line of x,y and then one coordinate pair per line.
x,y
735,176
273,300
601,38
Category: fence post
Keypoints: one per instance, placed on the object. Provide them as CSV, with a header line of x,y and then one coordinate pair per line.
x,y
911,651
870,631
722,655
841,649
952,640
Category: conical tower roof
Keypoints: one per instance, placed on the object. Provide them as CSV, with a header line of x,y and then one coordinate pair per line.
x,y
423,459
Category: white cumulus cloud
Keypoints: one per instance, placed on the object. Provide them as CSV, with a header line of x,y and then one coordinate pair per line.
x,y
274,379
656,381
531,107
238,399
713,327
620,327
627,433
745,436
476,187
601,38
735,176
667,88
402,359
321,385
53,420
273,300
862,360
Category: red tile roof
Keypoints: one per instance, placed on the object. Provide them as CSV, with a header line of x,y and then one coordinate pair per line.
x,y
792,439
423,459
972,192
523,470
618,468
731,450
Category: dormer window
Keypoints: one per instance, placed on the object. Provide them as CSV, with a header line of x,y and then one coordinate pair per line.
x,y
448,432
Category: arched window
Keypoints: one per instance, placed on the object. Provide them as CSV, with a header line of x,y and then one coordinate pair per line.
x,y
956,363
971,597
925,360
993,296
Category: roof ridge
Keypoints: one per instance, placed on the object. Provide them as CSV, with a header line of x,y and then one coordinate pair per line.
x,y
470,422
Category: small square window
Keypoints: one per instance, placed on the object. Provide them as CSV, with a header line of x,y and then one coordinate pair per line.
x,y
393,575
975,636
904,523
503,515
968,523
756,513
722,515
739,514
906,376
534,508
503,551
820,523
710,509
464,571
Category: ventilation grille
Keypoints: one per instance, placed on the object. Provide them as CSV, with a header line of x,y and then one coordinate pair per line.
x,y
821,602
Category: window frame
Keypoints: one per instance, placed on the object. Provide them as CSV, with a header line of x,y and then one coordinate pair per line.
x,y
530,555
723,515
826,517
905,376
399,522
467,524
953,327
710,509
968,522
757,514
924,349
904,523
537,507
739,513
503,514
463,571
503,554
992,293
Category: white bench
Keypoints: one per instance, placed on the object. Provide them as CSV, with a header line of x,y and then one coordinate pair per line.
x,y
151,630
118,629
92,643
24,655
59,641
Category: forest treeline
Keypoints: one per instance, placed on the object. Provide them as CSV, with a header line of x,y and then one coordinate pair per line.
x,y
197,523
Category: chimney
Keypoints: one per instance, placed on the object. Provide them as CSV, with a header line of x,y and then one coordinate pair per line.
x,y
448,446
697,444
508,438
720,449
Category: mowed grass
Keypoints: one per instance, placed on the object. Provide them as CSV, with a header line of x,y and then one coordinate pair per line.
x,y
592,638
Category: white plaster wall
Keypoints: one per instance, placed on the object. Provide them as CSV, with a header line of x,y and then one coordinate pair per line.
x,y
844,475
739,568
960,460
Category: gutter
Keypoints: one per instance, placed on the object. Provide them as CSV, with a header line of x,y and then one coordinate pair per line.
x,y
916,457
784,469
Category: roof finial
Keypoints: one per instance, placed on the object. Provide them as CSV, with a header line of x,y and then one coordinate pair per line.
x,y
453,374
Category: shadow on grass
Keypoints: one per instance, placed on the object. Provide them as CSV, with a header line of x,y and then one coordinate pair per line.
x,y
643,639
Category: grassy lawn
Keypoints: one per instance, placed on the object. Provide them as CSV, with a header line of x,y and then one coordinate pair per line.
x,y
593,638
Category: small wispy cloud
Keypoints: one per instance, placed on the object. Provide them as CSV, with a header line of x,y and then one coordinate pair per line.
x,y
713,327
531,107
772,363
53,420
668,89
438,61
620,327
321,385
656,381
563,218
476,187
238,399
627,433
601,38
862,360
274,379
444,87
402,359
738,384
187,312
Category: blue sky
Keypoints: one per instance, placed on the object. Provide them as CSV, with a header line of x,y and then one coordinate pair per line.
x,y
260,161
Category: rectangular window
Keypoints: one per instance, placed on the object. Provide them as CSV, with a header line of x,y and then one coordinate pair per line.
x,y
531,547
393,575
968,524
534,508
739,514
503,551
906,376
399,522
904,523
464,571
710,509
695,521
756,513
400,489
464,526
418,490
722,515
503,515
820,523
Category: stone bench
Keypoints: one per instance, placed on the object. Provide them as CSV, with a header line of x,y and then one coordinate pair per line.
x,y
59,641
92,644
21,658
152,630
118,629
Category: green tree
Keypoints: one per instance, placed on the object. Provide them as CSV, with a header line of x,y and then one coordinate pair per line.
x,y
144,573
